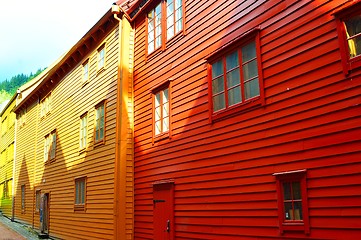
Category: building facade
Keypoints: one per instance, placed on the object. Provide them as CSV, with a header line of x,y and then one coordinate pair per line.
x,y
7,157
74,157
247,119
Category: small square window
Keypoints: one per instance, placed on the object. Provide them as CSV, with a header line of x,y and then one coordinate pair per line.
x,y
80,193
292,201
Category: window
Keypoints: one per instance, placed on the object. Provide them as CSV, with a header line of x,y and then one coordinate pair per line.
x,y
45,106
172,13
85,70
161,111
83,131
3,157
155,28
10,152
37,200
349,33
6,190
292,201
101,57
235,79
80,193
99,122
50,146
174,17
4,126
23,198
22,118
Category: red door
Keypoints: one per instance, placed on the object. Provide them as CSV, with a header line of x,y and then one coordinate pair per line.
x,y
163,216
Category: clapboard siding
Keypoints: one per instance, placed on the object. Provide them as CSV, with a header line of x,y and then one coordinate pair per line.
x,y
8,117
224,188
71,98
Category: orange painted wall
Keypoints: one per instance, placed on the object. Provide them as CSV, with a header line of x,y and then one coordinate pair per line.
x,y
71,97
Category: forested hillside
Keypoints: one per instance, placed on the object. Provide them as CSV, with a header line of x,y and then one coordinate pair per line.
x,y
9,87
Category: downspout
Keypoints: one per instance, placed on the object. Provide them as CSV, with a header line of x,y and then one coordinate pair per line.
x,y
117,232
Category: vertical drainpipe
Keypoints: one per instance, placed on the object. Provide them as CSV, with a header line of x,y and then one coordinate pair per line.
x,y
117,232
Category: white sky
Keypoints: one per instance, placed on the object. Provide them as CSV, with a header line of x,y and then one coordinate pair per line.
x,y
33,34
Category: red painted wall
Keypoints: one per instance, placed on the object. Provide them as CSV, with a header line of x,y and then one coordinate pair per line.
x,y
222,171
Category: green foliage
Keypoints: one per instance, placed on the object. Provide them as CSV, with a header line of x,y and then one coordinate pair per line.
x,y
8,88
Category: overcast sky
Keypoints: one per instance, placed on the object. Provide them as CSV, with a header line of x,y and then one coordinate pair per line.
x,y
33,34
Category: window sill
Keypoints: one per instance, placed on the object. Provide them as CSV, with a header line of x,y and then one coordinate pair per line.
x,y
84,82
99,143
79,208
249,105
296,227
161,137
173,40
83,150
153,54
100,71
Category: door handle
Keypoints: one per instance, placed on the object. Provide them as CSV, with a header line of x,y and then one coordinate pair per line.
x,y
168,226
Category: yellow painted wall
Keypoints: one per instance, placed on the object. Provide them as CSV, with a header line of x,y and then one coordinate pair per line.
x,y
7,157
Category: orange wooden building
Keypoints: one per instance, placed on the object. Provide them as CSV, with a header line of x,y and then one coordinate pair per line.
x,y
247,119
74,139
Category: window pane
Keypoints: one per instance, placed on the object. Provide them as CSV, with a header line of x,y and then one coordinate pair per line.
x,y
217,69
158,42
234,96
232,61
151,14
296,190
250,70
178,3
151,47
158,127
166,124
158,114
219,102
298,211
158,9
165,110
101,133
233,78
150,27
157,100
288,211
218,85
170,20
179,25
170,32
178,14
165,96
249,52
170,8
287,191
251,88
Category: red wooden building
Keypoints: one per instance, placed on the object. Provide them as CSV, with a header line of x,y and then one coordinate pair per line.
x,y
247,119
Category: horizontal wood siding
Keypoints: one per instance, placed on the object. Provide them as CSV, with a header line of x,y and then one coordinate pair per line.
x,y
224,187
7,160
25,164
70,99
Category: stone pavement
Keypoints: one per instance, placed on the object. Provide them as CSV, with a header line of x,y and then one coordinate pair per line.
x,y
14,231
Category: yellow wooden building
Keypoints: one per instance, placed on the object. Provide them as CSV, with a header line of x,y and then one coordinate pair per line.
x,y
74,139
7,117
